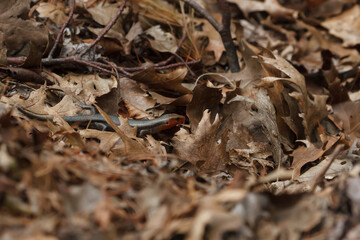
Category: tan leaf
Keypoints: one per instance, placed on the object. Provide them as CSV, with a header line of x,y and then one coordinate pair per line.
x,y
103,13
215,44
52,10
161,41
86,87
345,26
271,6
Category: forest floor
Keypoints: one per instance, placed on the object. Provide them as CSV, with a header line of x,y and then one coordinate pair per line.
x,y
264,143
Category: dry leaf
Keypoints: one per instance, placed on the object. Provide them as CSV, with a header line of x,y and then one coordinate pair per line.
x,y
203,149
345,26
53,11
160,40
303,155
270,6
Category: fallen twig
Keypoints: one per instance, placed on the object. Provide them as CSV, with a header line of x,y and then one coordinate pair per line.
x,y
72,8
223,29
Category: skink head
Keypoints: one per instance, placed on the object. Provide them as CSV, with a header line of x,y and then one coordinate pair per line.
x,y
172,120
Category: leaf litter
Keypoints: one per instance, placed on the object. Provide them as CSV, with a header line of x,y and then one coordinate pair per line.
x,y
269,152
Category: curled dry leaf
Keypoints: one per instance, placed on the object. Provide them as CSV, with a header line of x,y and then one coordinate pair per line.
x,y
133,94
163,83
319,41
312,111
265,113
251,75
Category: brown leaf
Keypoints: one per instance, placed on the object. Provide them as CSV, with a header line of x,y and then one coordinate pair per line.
x,y
303,155
204,99
312,111
14,9
266,115
215,45
163,83
251,75
346,115
103,13
133,94
24,38
202,148
131,148
86,87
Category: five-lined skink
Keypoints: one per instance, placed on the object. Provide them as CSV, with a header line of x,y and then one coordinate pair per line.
x,y
144,127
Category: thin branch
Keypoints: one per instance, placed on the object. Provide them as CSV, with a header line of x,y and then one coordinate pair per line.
x,y
185,64
72,7
204,13
15,60
117,68
106,67
225,34
106,29
182,39
224,30
94,65
46,61
176,65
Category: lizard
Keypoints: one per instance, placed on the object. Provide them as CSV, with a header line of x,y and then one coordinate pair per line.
x,y
97,121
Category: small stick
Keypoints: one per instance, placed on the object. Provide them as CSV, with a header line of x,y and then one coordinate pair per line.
x,y
204,13
176,65
105,30
62,29
224,30
183,37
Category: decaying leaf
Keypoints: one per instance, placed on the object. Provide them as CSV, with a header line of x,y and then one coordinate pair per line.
x,y
269,152
303,155
163,82
161,41
312,111
53,11
271,6
203,149
346,26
